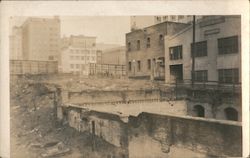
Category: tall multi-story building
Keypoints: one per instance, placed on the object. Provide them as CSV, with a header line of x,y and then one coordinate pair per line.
x,y
216,90
217,56
41,38
145,54
77,52
140,22
16,44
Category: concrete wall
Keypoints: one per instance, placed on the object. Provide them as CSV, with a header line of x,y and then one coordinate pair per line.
x,y
153,135
164,132
109,96
109,127
213,61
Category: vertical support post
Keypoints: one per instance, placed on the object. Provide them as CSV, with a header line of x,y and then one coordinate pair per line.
x,y
193,53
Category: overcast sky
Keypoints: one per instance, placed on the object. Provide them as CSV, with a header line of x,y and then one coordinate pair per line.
x,y
107,29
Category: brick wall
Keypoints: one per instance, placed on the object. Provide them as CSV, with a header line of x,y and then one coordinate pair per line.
x,y
220,138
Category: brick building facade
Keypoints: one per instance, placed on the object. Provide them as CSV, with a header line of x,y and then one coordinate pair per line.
x,y
145,57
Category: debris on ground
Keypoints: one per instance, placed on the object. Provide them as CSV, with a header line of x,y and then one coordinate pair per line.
x,y
57,150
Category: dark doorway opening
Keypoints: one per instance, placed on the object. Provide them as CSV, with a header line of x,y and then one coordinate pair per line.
x,y
199,111
231,114
176,72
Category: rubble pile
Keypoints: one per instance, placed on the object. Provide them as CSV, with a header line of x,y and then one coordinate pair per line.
x,y
34,129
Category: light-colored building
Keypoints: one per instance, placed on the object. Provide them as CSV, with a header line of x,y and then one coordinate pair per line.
x,y
16,44
145,54
115,56
41,38
218,51
140,22
76,60
80,41
216,92
77,52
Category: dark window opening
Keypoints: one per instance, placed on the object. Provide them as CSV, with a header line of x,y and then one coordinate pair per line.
x,y
228,45
200,75
176,71
228,75
199,111
149,64
231,114
138,44
175,53
139,65
200,49
129,46
129,66
161,39
148,42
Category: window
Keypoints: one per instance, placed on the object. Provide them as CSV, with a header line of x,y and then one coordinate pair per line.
x,y
139,65
82,58
200,75
180,17
165,18
158,19
228,45
161,39
72,66
51,58
138,44
175,53
172,18
200,49
149,64
129,66
148,42
129,46
228,75
77,66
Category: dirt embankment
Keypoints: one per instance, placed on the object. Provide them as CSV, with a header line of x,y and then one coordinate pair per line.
x,y
34,128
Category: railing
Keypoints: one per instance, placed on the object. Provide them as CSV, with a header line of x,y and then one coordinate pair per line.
x,y
18,67
207,85
123,102
107,69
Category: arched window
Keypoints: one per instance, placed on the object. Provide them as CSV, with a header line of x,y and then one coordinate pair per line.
x,y
231,114
199,111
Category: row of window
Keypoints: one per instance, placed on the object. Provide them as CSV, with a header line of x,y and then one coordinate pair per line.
x,y
82,58
139,65
224,75
170,18
77,66
81,51
148,44
227,45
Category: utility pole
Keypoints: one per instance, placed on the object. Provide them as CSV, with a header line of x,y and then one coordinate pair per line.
x,y
193,53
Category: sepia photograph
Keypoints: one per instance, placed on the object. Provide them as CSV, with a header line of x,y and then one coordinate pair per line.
x,y
107,79
125,86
